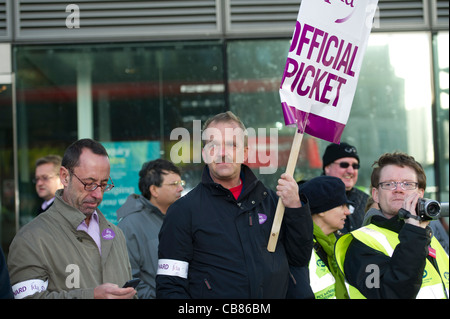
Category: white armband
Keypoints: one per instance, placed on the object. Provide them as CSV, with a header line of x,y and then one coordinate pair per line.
x,y
172,267
29,287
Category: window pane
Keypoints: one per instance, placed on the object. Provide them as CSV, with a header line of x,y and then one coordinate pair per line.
x,y
391,109
46,113
441,76
392,106
119,94
255,68
132,93
7,191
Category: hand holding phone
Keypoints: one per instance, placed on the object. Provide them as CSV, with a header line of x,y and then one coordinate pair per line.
x,y
132,283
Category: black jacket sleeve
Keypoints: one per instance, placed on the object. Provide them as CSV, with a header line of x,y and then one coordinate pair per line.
x,y
400,276
298,234
175,242
5,285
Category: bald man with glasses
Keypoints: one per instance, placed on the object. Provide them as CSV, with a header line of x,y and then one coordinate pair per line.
x,y
71,251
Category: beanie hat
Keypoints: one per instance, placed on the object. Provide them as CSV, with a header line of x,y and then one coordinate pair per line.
x,y
337,151
324,193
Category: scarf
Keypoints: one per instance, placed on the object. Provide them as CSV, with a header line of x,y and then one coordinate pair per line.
x,y
327,243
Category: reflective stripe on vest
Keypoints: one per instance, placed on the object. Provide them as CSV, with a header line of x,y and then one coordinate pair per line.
x,y
385,241
321,280
380,238
340,250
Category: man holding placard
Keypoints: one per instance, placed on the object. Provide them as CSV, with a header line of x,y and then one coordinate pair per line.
x,y
321,73
212,242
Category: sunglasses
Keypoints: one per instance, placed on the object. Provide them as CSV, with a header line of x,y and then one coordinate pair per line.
x,y
346,165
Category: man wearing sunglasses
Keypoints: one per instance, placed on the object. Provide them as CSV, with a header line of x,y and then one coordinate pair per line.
x,y
342,161
71,251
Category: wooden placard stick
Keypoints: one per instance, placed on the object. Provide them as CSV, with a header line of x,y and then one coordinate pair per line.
x,y
279,213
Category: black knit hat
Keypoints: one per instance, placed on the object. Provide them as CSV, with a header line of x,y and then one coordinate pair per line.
x,y
324,193
337,151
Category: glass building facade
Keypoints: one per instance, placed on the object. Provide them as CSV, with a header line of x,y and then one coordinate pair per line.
x,y
135,95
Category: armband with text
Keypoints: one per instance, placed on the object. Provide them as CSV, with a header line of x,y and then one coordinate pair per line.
x,y
172,267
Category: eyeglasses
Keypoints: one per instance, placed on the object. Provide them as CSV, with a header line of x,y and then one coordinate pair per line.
x,y
90,187
182,183
346,165
44,178
407,186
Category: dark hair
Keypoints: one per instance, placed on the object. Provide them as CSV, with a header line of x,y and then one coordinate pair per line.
x,y
72,154
151,174
399,159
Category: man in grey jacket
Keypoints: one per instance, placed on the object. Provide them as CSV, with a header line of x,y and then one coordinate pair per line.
x,y
141,218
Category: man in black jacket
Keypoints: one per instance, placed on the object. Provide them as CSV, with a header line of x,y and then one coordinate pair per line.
x,y
395,255
213,242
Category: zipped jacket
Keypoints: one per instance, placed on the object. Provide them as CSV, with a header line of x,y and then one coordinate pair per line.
x,y
214,246
50,258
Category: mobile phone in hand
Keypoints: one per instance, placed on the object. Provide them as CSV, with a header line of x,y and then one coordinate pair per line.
x,y
132,283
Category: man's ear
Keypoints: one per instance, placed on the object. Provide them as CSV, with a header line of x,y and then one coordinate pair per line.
x,y
64,176
154,191
375,195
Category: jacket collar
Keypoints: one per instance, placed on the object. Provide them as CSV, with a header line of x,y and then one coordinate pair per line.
x,y
247,176
376,217
249,180
74,217
136,204
69,213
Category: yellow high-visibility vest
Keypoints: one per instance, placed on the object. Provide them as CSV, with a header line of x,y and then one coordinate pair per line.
x,y
321,279
434,283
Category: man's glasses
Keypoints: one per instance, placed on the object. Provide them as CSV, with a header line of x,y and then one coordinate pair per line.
x,y
182,183
390,186
346,165
90,187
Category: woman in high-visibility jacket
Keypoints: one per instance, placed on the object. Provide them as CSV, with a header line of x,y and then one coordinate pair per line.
x,y
328,205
